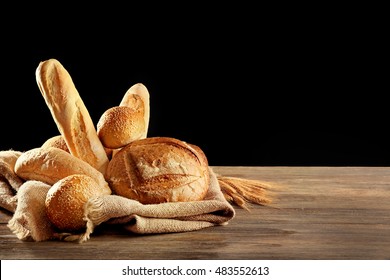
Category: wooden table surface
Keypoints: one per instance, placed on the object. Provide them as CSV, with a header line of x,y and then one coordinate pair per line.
x,y
317,213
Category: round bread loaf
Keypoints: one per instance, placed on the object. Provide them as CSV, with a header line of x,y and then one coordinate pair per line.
x,y
159,169
65,201
120,125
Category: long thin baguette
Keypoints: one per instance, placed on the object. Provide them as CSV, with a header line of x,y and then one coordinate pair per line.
x,y
70,114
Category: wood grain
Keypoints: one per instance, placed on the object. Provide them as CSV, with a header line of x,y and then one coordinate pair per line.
x,y
317,213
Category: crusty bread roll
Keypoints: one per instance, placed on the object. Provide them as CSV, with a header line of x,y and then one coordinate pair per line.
x,y
159,169
56,141
51,164
70,114
120,125
65,201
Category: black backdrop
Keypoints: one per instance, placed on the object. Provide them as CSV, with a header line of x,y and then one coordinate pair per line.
x,y
299,94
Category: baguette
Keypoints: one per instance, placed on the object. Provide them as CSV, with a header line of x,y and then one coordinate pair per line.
x,y
52,164
70,114
138,89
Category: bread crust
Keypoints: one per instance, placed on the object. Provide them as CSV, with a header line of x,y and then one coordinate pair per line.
x,y
65,201
56,141
159,169
70,114
51,164
120,125
138,89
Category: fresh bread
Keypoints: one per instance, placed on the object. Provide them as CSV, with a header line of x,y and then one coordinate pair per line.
x,y
138,89
120,125
70,114
159,169
56,141
52,164
66,198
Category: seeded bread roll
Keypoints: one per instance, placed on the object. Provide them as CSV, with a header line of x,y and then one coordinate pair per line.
x,y
120,125
51,164
159,169
66,198
70,114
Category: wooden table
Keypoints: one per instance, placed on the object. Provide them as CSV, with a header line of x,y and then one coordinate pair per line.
x,y
317,213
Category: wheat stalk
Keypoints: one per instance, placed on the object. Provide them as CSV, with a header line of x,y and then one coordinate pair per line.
x,y
242,191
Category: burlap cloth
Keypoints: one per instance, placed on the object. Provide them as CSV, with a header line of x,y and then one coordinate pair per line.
x,y
26,201
9,182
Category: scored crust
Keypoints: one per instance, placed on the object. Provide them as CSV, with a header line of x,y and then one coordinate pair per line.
x,y
70,113
159,169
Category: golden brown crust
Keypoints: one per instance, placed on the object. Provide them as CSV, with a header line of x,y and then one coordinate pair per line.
x,y
56,141
59,142
65,201
140,90
120,125
201,155
159,169
51,164
70,114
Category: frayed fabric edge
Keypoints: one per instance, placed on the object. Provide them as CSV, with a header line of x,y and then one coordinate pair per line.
x,y
15,225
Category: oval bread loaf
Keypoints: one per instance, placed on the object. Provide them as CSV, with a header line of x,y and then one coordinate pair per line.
x,y
159,169
51,164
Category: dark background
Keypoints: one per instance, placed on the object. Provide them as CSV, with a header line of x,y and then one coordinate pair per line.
x,y
298,90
